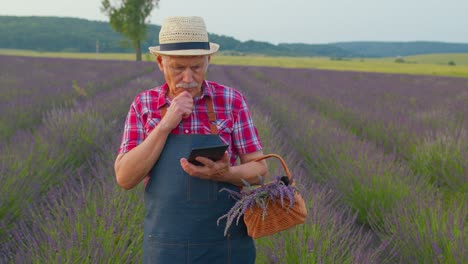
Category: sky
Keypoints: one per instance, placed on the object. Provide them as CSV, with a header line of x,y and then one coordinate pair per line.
x,y
291,21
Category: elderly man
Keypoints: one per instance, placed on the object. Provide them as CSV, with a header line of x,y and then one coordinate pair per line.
x,y
182,200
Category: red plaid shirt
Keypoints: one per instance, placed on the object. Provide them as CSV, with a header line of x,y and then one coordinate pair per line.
x,y
233,118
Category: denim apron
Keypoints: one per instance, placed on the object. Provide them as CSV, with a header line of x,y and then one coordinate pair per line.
x,y
182,211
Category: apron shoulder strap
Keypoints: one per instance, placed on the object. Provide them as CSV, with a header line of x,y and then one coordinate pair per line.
x,y
163,110
211,114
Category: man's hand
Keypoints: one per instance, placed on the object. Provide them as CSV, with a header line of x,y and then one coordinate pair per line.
x,y
216,171
181,107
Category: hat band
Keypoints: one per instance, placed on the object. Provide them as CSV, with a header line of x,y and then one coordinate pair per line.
x,y
184,46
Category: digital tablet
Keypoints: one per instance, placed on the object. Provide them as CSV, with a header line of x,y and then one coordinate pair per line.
x,y
213,153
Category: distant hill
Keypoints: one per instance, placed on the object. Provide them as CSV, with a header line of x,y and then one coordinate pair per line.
x,y
81,35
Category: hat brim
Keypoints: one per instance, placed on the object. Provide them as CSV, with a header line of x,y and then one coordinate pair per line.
x,y
189,52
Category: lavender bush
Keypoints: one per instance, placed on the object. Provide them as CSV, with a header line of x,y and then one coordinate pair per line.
x,y
88,219
443,158
31,86
429,230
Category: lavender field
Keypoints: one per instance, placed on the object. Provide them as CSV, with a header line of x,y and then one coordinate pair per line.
x,y
381,159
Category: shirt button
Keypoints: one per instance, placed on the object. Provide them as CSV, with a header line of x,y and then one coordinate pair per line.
x,y
187,131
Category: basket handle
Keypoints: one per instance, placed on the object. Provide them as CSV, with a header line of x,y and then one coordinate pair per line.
x,y
285,167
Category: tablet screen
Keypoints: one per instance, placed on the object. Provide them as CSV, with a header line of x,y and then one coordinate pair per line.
x,y
214,153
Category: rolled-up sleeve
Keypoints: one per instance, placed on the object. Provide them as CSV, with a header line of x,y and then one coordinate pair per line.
x,y
133,133
245,134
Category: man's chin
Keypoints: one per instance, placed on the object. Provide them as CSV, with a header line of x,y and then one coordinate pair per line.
x,y
194,91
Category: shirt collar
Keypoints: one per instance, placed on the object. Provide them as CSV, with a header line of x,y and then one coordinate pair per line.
x,y
163,99
207,90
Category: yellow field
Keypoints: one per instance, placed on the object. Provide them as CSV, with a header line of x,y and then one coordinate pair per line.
x,y
439,59
368,65
100,56
458,58
424,64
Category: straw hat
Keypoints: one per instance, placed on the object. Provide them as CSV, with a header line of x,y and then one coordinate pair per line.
x,y
184,36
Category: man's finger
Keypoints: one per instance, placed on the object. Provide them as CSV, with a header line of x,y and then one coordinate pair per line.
x,y
206,161
187,166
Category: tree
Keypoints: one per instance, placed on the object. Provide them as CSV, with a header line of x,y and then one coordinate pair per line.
x,y
129,19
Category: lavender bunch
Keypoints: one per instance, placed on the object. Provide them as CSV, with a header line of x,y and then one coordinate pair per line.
x,y
250,196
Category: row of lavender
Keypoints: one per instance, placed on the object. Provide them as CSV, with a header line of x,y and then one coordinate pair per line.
x,y
91,220
31,86
60,203
424,222
331,233
420,119
47,155
88,230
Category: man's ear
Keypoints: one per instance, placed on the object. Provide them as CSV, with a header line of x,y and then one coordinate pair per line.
x,y
207,64
159,60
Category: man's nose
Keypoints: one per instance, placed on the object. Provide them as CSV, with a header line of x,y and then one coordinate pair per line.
x,y
187,76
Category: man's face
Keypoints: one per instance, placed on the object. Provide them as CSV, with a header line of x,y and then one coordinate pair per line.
x,y
184,73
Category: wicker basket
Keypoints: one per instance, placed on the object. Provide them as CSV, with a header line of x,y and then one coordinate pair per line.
x,y
278,217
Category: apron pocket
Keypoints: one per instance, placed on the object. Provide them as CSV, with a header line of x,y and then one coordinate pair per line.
x,y
213,253
201,191
223,252
226,251
159,252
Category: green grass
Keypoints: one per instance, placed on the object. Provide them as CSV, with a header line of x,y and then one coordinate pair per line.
x,y
425,64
